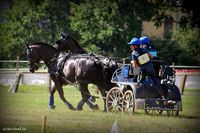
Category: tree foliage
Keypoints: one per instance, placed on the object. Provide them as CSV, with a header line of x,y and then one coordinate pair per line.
x,y
181,47
192,8
101,26
109,24
165,8
30,21
188,39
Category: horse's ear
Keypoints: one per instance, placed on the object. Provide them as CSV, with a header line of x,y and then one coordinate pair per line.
x,y
64,35
28,47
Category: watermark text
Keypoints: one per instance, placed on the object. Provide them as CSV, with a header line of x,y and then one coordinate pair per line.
x,y
13,129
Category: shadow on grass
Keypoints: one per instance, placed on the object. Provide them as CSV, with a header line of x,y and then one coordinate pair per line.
x,y
164,114
189,117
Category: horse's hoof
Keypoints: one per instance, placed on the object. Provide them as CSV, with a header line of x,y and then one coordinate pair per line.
x,y
52,106
105,111
71,108
79,109
96,107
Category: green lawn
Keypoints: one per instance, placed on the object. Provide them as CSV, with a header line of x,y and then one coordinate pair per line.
x,y
25,111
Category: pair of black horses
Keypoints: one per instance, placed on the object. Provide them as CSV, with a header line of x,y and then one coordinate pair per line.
x,y
78,67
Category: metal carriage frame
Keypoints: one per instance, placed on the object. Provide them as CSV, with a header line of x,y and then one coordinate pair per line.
x,y
122,98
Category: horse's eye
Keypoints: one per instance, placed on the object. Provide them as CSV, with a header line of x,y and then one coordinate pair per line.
x,y
30,55
63,40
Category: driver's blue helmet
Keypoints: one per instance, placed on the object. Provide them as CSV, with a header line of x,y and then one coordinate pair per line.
x,y
134,41
144,39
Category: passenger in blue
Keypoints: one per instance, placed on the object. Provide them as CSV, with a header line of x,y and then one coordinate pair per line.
x,y
145,43
141,59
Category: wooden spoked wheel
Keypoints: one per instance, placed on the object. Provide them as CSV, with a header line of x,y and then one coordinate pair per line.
x,y
114,100
128,103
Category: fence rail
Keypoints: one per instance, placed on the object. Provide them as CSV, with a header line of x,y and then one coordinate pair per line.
x,y
182,71
26,61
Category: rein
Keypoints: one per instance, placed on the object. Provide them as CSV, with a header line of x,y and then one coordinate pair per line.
x,y
99,97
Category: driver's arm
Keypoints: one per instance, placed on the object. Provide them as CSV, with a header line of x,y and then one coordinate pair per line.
x,y
134,63
150,55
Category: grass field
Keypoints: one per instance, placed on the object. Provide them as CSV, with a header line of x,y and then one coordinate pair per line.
x,y
24,112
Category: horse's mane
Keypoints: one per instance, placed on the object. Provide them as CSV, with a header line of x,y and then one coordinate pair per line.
x,y
43,44
77,44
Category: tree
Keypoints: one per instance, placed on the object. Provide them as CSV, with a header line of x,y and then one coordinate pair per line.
x,y
31,21
192,8
188,39
101,26
109,25
164,9
181,47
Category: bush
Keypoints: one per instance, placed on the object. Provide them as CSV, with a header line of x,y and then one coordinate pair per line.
x,y
182,47
188,39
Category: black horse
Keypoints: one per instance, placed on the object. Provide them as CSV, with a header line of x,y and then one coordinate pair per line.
x,y
67,43
76,69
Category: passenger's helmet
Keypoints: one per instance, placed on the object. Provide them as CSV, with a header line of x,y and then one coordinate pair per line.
x,y
144,39
135,41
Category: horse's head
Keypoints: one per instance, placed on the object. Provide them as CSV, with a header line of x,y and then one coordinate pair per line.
x,y
33,58
111,64
64,43
67,43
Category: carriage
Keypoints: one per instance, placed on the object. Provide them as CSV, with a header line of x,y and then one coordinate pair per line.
x,y
130,95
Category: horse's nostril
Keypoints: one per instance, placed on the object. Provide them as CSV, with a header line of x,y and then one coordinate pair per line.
x,y
31,70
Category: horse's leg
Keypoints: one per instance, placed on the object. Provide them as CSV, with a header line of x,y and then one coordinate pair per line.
x,y
51,97
80,104
85,96
103,93
61,94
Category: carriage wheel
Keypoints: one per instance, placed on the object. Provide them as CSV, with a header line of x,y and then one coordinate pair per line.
x,y
155,112
147,111
128,103
173,113
114,100
177,113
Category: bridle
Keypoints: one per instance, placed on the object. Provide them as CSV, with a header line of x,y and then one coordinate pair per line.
x,y
33,64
